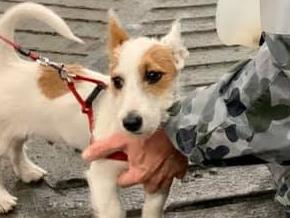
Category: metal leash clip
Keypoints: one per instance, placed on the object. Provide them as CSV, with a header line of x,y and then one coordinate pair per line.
x,y
43,61
63,74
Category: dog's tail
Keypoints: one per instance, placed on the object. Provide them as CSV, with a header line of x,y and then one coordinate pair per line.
x,y
18,13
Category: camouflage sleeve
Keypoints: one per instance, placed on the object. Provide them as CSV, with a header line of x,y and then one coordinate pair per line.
x,y
246,112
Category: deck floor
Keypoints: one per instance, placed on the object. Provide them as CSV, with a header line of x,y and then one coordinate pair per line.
x,y
230,192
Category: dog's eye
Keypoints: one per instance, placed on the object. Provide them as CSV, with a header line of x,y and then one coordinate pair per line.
x,y
118,82
153,76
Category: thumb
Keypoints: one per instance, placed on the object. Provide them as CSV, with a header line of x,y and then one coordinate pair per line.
x,y
130,177
103,147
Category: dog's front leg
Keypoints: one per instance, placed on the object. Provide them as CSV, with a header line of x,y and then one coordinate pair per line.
x,y
154,203
7,201
102,178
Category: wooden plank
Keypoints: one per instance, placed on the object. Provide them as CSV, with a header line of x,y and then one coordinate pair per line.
x,y
196,40
88,4
82,29
207,185
263,208
182,3
199,187
55,44
187,26
203,75
69,13
183,6
220,183
202,40
201,57
194,12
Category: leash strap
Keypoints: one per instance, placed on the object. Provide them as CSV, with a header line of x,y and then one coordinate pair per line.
x,y
25,52
69,78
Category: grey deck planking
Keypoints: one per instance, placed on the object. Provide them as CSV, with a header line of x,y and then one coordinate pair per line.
x,y
178,4
65,186
258,208
89,4
69,13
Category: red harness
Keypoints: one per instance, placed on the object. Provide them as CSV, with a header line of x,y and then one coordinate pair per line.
x,y
69,78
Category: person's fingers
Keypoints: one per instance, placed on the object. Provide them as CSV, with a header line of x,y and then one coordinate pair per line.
x,y
180,174
183,163
103,147
153,184
166,184
160,175
177,165
131,177
173,166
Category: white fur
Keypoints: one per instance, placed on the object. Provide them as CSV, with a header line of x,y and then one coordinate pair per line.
x,y
174,41
25,111
153,110
147,106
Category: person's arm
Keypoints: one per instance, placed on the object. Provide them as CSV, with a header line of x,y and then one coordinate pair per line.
x,y
230,118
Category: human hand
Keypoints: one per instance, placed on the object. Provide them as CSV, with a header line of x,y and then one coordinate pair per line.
x,y
152,161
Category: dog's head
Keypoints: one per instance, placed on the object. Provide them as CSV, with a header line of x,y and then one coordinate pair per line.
x,y
143,73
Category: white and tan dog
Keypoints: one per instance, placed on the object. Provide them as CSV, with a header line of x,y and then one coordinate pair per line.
x,y
35,101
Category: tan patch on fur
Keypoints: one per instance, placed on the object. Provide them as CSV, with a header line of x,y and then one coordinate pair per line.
x,y
50,83
160,59
114,60
116,37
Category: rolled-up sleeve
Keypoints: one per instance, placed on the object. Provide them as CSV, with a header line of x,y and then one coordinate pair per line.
x,y
243,113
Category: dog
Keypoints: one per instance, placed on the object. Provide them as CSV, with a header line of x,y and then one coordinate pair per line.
x,y
144,74
35,101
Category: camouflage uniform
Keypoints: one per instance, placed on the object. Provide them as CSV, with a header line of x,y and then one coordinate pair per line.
x,y
247,112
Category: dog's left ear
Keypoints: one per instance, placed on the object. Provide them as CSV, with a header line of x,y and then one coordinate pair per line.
x,y
174,41
116,33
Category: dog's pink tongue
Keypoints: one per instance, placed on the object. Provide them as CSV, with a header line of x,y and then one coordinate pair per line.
x,y
119,155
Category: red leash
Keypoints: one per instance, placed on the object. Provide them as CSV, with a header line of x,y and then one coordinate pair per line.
x,y
69,78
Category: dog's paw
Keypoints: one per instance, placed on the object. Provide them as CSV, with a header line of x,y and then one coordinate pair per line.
x,y
32,173
7,202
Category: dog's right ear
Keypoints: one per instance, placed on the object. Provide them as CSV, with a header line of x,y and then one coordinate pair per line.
x,y
117,34
174,41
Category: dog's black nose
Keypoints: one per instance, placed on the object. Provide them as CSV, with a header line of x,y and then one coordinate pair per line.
x,y
132,122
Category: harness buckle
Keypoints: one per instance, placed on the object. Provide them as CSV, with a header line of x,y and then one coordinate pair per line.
x,y
43,61
63,73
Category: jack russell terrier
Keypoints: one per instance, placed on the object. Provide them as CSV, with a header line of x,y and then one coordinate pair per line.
x,y
36,101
